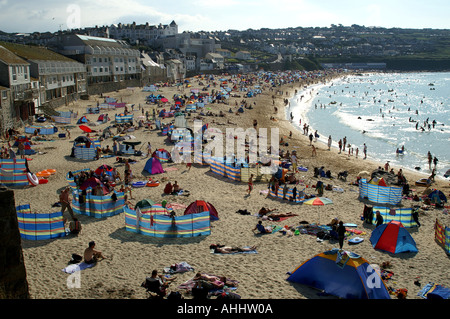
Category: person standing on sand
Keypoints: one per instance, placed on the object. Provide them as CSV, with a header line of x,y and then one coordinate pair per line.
x,y
65,203
314,151
344,142
341,234
329,142
430,159
250,184
365,151
340,146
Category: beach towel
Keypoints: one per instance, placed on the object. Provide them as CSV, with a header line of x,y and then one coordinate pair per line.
x,y
177,206
434,291
178,268
236,252
170,169
70,269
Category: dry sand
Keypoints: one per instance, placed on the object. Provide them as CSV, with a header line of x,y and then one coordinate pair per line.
x,y
261,275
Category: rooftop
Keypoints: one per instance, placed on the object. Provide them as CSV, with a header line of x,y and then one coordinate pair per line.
x,y
36,53
9,57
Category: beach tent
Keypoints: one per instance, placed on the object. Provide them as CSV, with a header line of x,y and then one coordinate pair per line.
x,y
393,237
200,206
82,120
103,118
378,181
153,166
104,168
341,273
144,203
437,196
162,155
92,182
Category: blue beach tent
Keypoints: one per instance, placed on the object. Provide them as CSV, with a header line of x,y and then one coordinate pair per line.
x,y
341,273
393,237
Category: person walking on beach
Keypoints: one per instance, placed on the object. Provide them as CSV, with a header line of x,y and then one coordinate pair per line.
x,y
435,161
65,203
294,161
365,151
149,149
340,146
314,151
430,159
329,142
341,234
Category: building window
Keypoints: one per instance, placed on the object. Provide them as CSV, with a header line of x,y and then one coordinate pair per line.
x,y
95,70
14,74
4,95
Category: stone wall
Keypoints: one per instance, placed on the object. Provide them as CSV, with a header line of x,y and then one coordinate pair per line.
x,y
13,277
105,87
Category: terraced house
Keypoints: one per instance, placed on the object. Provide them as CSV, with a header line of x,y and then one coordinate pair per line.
x,y
110,64
59,80
17,96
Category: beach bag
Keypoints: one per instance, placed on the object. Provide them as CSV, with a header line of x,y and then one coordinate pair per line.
x,y
75,259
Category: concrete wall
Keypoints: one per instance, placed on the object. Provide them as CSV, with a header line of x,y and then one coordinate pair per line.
x,y
98,88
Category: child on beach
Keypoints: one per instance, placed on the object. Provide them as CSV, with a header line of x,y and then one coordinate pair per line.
x,y
250,184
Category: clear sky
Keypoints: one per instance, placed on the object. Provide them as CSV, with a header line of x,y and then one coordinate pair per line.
x,y
214,15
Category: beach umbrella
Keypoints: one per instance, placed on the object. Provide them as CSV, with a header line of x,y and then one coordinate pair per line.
x,y
364,174
85,129
318,201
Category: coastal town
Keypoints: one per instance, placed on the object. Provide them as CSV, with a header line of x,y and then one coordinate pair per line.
x,y
106,207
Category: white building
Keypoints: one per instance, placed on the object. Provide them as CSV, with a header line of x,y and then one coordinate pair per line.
x,y
143,33
106,60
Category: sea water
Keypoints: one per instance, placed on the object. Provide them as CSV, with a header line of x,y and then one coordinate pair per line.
x,y
387,112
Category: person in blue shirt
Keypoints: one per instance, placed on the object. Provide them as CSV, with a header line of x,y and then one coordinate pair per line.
x,y
263,230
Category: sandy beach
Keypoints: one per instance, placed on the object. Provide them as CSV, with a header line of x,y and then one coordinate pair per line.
x,y
132,257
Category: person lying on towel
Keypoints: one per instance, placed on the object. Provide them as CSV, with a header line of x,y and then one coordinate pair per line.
x,y
262,229
222,249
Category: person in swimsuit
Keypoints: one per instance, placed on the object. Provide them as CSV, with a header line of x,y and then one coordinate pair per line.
x,y
91,255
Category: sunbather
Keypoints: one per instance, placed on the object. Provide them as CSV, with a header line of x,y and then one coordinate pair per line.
x,y
221,249
262,229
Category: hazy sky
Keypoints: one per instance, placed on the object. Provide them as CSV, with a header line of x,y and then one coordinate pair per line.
x,y
213,15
